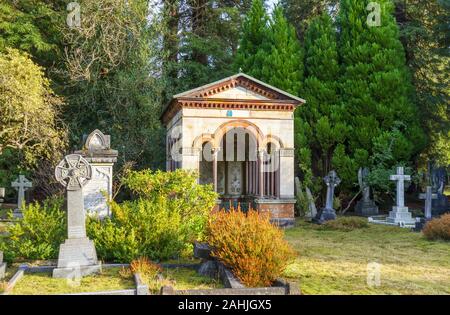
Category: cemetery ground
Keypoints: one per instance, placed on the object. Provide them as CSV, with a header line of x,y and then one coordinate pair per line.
x,y
335,262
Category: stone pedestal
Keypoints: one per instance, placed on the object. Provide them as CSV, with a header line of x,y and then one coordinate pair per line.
x,y
77,257
327,214
281,211
400,215
366,208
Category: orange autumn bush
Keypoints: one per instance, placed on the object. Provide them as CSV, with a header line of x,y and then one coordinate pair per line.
x,y
438,228
248,244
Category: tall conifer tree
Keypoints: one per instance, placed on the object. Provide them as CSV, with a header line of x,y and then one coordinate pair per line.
x,y
376,93
319,123
254,44
283,64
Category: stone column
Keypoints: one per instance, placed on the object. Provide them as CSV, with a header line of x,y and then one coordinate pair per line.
x,y
261,173
215,152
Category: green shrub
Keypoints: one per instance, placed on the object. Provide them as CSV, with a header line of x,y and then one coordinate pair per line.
x,y
38,234
438,228
169,214
345,224
247,243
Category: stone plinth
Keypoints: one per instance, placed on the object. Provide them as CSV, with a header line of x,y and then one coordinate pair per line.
x,y
400,215
366,208
77,257
281,210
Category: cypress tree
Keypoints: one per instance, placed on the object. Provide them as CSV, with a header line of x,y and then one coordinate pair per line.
x,y
283,64
254,44
376,93
319,123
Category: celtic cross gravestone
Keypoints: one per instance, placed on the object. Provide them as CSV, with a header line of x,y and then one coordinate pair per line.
x,y
77,256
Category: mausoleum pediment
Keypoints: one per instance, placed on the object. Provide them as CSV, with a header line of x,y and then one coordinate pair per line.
x,y
237,92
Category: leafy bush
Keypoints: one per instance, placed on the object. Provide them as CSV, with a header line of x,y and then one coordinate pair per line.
x,y
346,224
38,234
112,242
169,214
438,228
249,245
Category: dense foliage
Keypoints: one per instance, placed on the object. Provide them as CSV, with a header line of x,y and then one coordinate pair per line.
x,y
38,234
252,247
169,213
269,49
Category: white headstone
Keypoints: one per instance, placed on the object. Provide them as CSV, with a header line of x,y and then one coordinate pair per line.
x,y
21,184
400,214
97,151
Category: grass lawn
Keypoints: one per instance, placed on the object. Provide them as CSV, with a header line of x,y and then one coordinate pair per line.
x,y
43,283
335,262
182,278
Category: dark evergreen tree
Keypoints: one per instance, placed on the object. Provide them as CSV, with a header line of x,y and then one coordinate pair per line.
x,y
320,126
283,64
376,94
254,44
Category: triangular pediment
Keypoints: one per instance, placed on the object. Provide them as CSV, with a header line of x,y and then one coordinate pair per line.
x,y
239,86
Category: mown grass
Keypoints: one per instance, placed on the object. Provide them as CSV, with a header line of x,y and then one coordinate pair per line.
x,y
335,262
189,279
42,283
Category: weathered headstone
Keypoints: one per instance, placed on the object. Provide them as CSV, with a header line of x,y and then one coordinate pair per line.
x,y
428,196
2,195
312,206
97,151
312,211
21,184
400,214
328,213
77,256
439,205
2,266
365,206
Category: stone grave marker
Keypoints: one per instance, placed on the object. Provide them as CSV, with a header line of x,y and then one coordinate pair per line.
x,y
328,213
2,266
312,206
428,196
21,184
77,256
97,151
439,205
400,214
365,206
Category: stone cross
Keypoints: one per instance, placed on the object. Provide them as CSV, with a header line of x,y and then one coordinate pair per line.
x,y
400,214
428,196
328,213
332,180
77,255
21,184
400,178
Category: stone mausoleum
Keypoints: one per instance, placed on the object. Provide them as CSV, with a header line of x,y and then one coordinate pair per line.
x,y
238,134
